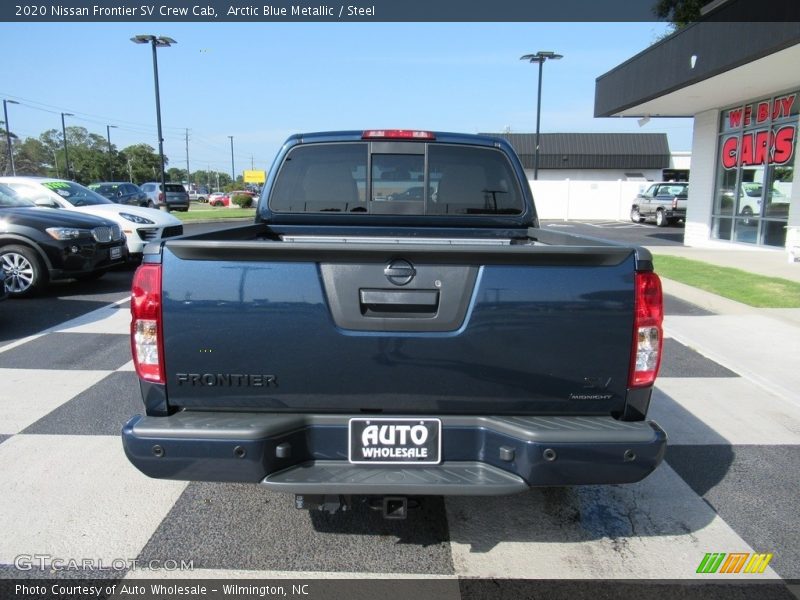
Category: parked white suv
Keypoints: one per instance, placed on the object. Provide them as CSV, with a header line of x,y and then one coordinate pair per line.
x,y
140,225
750,201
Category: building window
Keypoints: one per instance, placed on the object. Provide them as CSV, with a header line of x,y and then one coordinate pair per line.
x,y
755,171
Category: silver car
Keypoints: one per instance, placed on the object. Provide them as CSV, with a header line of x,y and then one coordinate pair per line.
x,y
177,198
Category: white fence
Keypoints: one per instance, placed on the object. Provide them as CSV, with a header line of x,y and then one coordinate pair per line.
x,y
591,200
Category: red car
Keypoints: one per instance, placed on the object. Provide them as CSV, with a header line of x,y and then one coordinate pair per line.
x,y
224,199
218,199
227,198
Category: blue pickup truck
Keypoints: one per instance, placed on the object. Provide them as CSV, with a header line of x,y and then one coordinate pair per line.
x,y
395,324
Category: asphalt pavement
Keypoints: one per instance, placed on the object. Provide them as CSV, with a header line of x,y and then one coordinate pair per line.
x,y
728,483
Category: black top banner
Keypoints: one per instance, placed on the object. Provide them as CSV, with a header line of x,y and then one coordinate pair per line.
x,y
371,11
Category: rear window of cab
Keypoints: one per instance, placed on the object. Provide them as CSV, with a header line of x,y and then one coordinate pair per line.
x,y
349,178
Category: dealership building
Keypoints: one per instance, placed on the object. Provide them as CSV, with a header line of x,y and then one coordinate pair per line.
x,y
740,82
599,156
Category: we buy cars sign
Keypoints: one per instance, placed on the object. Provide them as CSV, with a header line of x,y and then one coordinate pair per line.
x,y
773,146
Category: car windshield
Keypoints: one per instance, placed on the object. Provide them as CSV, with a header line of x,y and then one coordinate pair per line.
x,y
753,189
75,194
10,199
175,188
105,189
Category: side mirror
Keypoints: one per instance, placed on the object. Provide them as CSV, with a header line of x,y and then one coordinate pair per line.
x,y
46,202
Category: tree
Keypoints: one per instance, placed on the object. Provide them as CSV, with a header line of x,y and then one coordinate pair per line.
x,y
88,155
31,158
679,12
142,163
177,175
210,178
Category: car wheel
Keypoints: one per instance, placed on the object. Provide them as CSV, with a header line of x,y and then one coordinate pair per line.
x,y
25,274
636,217
151,204
747,213
661,219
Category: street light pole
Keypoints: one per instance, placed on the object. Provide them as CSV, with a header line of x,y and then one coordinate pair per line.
x,y
110,157
158,42
8,136
64,134
233,170
540,57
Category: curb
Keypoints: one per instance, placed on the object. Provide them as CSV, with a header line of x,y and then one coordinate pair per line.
x,y
711,302
221,220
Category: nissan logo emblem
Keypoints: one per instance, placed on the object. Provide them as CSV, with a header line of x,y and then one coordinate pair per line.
x,y
400,272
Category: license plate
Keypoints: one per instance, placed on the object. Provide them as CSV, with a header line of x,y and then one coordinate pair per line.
x,y
395,441
116,252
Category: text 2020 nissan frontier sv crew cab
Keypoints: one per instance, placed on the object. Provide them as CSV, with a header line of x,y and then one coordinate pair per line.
x,y
395,323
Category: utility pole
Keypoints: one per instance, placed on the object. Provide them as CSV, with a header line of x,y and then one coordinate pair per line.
x,y
110,157
8,136
233,170
252,164
64,134
188,173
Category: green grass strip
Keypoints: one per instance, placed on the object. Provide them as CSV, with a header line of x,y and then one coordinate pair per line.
x,y
215,213
742,286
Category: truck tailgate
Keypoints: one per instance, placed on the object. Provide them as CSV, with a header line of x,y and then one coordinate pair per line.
x,y
396,328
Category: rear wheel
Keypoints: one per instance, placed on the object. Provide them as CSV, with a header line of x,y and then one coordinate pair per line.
x,y
150,204
636,216
25,273
661,219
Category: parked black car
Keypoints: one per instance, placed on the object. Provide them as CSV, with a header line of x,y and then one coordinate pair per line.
x,y
120,192
42,244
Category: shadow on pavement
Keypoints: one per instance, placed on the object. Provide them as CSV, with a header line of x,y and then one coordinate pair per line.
x,y
656,506
59,302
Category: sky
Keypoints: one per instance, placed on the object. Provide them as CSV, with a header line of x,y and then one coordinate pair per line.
x,y
261,82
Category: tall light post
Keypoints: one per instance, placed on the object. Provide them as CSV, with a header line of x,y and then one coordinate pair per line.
x,y
110,156
157,42
233,170
64,134
8,135
540,57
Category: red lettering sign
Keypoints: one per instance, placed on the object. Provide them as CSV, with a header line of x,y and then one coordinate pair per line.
x,y
763,112
779,108
729,152
786,105
783,146
759,148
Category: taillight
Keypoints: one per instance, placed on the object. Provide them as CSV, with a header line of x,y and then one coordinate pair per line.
x,y
647,331
146,332
674,203
403,134
160,196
